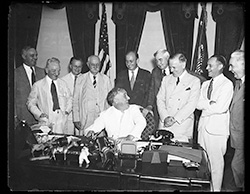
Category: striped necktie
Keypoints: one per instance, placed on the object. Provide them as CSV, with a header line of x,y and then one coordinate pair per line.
x,y
94,82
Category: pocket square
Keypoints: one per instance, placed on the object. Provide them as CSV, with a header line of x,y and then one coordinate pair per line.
x,y
188,88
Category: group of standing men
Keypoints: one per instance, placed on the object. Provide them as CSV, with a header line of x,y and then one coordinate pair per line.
x,y
80,104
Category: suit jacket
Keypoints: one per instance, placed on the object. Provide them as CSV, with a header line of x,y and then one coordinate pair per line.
x,y
139,94
215,118
180,102
88,101
69,79
22,90
153,91
40,101
237,118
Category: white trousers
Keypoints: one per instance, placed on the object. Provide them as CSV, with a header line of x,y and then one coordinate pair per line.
x,y
215,146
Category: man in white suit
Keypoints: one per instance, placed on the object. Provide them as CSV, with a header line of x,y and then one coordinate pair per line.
x,y
90,95
41,99
75,66
213,129
177,99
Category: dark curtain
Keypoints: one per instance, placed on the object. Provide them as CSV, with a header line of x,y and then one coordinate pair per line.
x,y
178,25
129,19
24,21
229,18
82,18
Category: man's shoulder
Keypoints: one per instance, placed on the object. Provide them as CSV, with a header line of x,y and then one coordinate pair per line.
x,y
144,71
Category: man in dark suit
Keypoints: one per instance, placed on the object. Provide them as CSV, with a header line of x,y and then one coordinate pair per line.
x,y
135,80
161,70
237,67
25,76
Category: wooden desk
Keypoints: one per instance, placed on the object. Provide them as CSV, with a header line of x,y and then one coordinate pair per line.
x,y
47,175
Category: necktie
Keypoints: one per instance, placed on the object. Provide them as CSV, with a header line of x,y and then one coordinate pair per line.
x,y
33,77
163,73
54,96
94,82
178,80
210,88
132,80
238,85
75,80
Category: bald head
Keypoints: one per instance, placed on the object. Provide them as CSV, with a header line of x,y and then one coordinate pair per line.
x,y
94,64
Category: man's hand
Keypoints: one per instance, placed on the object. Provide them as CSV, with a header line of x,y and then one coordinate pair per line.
x,y
43,115
169,121
127,138
78,125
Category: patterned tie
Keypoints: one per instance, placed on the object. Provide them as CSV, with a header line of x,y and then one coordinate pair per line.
x,y
132,80
178,80
210,89
54,96
94,82
33,77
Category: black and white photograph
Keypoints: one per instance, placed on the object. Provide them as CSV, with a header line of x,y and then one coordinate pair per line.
x,y
126,96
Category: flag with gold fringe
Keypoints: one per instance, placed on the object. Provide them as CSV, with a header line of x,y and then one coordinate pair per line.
x,y
103,50
201,53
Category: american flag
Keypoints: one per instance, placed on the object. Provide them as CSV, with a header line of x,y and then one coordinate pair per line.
x,y
104,43
201,55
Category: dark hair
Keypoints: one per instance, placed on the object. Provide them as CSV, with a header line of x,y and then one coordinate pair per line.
x,y
221,59
136,54
179,56
25,49
112,93
75,58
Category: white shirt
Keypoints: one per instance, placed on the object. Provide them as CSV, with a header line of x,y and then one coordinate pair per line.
x,y
49,80
181,76
135,73
28,72
243,79
92,77
120,124
167,71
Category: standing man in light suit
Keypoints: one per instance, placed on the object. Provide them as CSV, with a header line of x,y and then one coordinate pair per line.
x,y
237,67
90,95
75,66
50,99
24,82
213,129
177,99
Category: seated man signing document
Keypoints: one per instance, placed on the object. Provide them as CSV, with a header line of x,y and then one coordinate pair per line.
x,y
122,121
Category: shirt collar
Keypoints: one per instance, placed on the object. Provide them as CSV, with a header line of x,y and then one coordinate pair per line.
x,y
242,79
27,67
49,80
182,75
